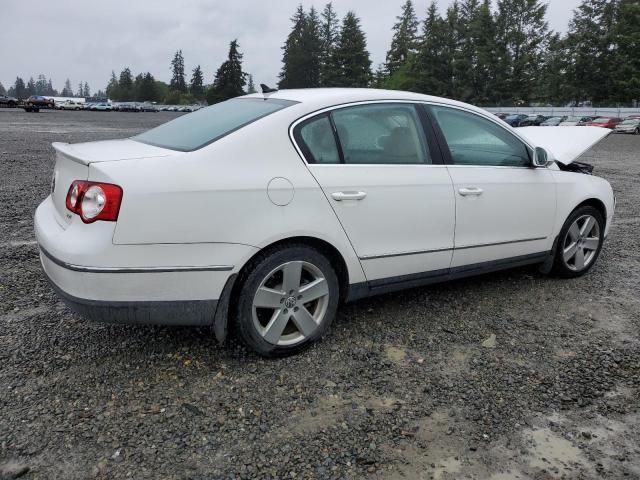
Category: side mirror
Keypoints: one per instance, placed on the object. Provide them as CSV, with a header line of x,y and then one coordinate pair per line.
x,y
541,158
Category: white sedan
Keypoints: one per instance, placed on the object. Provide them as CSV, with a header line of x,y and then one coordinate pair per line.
x,y
269,210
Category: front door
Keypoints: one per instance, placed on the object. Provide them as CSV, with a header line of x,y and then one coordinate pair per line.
x,y
393,199
505,208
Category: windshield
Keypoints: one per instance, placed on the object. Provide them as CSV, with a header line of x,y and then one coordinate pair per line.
x,y
602,120
555,119
631,121
513,117
195,130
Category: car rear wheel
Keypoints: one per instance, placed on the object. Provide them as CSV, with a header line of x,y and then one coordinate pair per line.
x,y
288,299
637,131
580,242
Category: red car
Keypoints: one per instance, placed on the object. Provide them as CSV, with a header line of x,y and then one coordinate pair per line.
x,y
605,122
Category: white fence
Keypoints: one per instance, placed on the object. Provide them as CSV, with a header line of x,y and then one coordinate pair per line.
x,y
569,111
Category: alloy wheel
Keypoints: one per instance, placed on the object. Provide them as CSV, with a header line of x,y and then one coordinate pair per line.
x,y
581,243
290,304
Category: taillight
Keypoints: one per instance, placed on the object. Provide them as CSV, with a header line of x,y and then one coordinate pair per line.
x,y
94,201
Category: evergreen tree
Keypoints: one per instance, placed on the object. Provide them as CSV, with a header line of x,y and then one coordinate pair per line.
x,y
302,52
430,67
403,42
482,30
19,90
626,75
67,91
50,90
177,71
2,89
251,88
86,91
80,90
196,86
452,51
41,85
112,87
230,79
522,36
31,87
350,60
125,85
329,34
553,85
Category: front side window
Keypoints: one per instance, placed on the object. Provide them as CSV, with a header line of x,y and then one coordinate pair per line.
x,y
474,140
195,130
381,134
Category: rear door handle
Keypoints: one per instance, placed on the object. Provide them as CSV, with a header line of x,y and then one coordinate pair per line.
x,y
340,196
468,191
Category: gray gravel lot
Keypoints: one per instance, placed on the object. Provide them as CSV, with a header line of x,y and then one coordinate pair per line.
x,y
403,387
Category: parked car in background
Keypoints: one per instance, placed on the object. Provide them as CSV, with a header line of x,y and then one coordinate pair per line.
x,y
35,102
553,121
101,107
516,119
630,125
533,121
308,213
576,121
128,107
634,115
501,116
605,122
148,107
71,105
8,102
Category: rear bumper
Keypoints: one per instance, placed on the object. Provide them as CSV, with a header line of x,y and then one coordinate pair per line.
x,y
169,284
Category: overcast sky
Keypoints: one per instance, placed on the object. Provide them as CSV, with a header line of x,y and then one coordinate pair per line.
x,y
84,40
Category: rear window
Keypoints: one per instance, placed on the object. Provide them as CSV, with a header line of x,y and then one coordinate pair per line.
x,y
602,120
195,130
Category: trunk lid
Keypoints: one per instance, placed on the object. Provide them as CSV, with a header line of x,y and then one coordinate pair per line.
x,y
72,163
565,144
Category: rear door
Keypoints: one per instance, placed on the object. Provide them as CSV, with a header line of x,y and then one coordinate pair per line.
x,y
505,208
386,183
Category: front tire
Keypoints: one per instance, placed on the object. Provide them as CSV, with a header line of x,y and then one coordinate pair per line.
x,y
287,300
580,242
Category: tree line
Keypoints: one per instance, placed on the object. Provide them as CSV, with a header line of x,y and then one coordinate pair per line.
x,y
474,51
43,86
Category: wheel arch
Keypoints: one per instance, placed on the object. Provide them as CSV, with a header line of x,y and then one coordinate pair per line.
x,y
595,203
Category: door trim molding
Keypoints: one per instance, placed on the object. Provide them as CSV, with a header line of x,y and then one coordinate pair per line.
x,y
464,247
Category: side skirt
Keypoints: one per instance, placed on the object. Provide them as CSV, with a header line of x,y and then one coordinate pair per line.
x,y
394,284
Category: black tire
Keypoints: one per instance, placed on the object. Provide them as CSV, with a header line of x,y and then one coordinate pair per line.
x,y
637,132
563,268
253,276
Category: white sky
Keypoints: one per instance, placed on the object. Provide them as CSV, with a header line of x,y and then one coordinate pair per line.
x,y
84,39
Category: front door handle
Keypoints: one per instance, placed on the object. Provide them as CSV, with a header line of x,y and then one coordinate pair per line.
x,y
340,196
468,191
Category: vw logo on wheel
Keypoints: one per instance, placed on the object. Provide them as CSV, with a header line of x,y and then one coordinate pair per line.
x,y
290,302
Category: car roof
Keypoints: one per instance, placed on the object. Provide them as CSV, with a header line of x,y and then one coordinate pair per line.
x,y
318,98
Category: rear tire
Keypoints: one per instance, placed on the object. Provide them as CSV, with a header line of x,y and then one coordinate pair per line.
x,y
579,243
287,300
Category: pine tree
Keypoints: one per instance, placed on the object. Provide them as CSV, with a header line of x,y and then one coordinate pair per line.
x,y
452,51
50,90
430,67
125,85
522,36
31,87
145,88
67,91
350,60
482,30
113,91
329,34
2,89
251,88
41,85
86,91
80,90
230,79
302,52
403,42
19,90
177,71
627,39
196,86
553,85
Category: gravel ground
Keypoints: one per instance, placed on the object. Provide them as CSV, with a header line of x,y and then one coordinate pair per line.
x,y
511,375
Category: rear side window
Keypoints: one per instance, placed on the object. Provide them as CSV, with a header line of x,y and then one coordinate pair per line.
x,y
317,141
473,140
198,129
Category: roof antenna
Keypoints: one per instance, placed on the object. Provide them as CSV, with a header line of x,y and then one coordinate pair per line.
x,y
266,89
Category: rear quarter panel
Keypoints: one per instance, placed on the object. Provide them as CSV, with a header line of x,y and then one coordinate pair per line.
x,y
218,194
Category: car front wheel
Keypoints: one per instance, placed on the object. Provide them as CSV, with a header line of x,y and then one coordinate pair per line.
x,y
288,299
580,242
